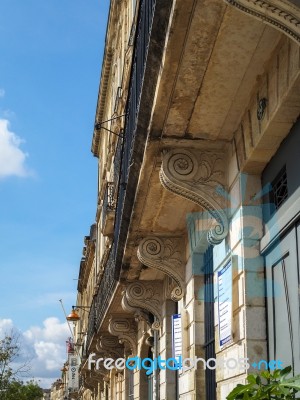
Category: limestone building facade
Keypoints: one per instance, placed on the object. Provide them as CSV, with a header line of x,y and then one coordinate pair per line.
x,y
194,249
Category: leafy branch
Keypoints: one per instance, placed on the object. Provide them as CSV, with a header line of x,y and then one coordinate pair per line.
x,y
268,386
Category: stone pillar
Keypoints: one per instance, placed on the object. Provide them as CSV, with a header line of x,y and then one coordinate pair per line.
x,y
248,302
192,381
167,378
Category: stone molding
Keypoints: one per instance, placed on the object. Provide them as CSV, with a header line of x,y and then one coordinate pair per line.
x,y
165,255
257,140
125,329
146,295
199,177
281,14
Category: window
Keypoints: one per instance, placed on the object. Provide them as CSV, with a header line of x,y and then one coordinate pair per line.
x,y
279,191
130,391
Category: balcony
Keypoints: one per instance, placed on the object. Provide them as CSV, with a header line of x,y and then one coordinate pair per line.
x,y
129,171
101,299
117,205
108,210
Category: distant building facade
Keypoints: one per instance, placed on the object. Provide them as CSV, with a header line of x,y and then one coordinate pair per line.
x,y
57,390
194,250
46,394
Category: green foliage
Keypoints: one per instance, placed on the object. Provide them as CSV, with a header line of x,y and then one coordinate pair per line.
x,y
10,368
8,352
19,390
268,386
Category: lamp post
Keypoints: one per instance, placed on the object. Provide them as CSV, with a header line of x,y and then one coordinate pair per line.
x,y
73,316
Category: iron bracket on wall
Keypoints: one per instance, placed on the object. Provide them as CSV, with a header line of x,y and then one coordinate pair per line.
x,y
99,125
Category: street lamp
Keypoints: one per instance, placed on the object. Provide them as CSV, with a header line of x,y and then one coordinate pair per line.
x,y
73,316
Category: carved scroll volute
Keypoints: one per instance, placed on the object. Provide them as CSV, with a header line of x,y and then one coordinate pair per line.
x,y
199,177
166,255
91,380
139,313
110,345
125,329
145,295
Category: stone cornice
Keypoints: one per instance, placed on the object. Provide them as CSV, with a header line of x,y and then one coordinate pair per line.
x,y
166,255
280,14
199,177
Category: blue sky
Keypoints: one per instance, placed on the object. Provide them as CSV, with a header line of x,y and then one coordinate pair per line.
x,y
50,64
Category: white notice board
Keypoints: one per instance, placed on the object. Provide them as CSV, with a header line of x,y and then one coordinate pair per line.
x,y
73,372
176,336
225,304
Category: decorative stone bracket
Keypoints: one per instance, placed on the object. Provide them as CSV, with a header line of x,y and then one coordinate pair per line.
x,y
139,313
110,345
199,177
125,329
93,378
145,295
166,255
281,14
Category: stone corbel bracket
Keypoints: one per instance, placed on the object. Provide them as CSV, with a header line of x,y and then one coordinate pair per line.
x,y
125,329
139,313
199,177
110,345
91,380
167,256
281,14
145,295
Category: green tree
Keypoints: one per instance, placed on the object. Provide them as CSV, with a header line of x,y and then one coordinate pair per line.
x,y
268,386
19,390
10,369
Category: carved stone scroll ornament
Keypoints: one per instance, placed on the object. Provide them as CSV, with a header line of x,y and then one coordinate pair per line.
x,y
91,380
145,295
166,255
139,313
281,14
110,346
199,177
125,329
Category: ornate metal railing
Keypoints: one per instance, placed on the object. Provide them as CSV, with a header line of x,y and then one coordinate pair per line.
x,y
117,161
91,329
146,13
122,162
106,288
108,201
102,297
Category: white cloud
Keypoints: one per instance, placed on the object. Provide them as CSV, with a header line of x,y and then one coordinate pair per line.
x,y
45,346
12,158
2,92
52,330
6,326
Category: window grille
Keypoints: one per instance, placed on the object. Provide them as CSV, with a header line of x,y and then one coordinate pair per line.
x,y
279,191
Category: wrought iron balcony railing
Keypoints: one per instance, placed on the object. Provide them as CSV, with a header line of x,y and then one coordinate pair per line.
x,y
117,162
146,13
108,209
102,297
122,163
